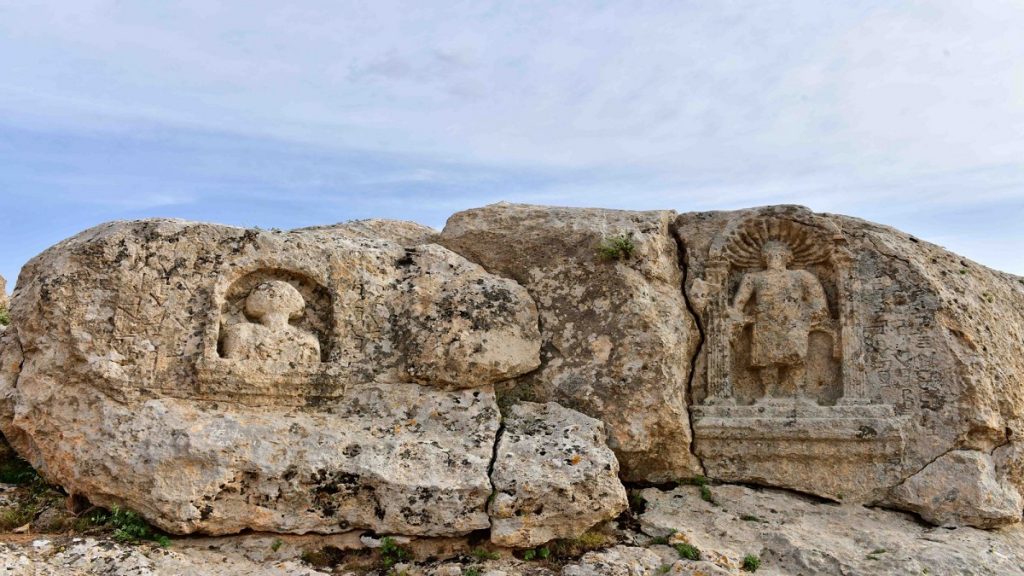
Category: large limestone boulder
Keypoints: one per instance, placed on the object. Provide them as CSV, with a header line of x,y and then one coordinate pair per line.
x,y
617,336
218,379
843,358
553,476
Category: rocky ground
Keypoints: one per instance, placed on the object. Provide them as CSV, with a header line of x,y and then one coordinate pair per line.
x,y
677,530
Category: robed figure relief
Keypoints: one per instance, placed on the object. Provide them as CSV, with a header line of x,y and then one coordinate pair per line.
x,y
781,306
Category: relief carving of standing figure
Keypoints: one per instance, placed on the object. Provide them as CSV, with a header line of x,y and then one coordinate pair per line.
x,y
786,306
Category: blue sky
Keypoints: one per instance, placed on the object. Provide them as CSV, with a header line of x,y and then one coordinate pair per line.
x,y
285,114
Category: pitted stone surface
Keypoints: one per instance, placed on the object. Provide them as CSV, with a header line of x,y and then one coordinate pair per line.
x,y
771,346
842,357
616,561
553,476
960,488
218,379
617,336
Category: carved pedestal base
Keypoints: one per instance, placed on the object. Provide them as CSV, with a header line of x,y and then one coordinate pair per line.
x,y
265,384
843,452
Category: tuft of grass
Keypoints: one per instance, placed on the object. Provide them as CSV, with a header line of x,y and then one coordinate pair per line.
x,y
5,317
706,495
618,247
18,471
276,544
687,551
33,496
637,503
12,517
482,554
473,571
126,526
697,480
751,563
130,528
391,553
572,548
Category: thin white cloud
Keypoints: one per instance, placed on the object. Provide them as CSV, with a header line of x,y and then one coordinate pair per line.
x,y
861,107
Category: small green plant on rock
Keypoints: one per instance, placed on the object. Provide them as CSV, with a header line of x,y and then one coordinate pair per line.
x,y
637,503
391,553
687,551
16,470
751,563
618,247
542,553
473,571
572,548
276,544
706,495
130,528
482,554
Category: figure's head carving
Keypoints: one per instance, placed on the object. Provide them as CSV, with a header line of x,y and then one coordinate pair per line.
x,y
776,255
274,301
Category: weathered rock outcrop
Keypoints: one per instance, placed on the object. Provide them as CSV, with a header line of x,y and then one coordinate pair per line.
x,y
617,336
4,299
842,357
553,476
350,376
217,379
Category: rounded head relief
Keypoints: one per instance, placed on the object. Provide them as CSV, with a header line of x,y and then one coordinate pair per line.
x,y
774,251
274,297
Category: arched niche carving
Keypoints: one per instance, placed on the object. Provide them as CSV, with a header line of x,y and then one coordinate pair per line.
x,y
799,265
270,339
249,303
779,315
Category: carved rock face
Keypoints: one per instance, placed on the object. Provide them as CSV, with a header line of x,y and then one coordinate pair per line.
x,y
217,379
349,376
870,356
